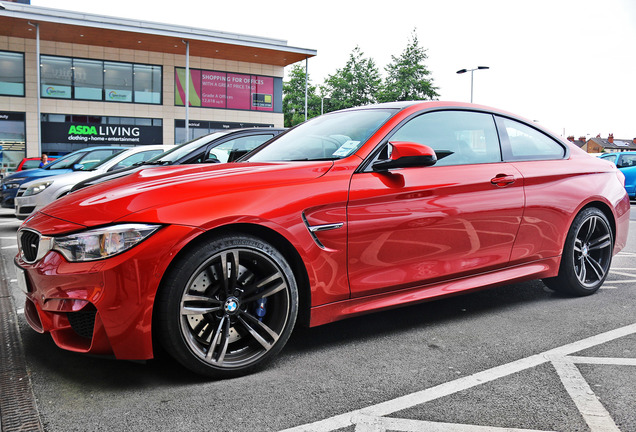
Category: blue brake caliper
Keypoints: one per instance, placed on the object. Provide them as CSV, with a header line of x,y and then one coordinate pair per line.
x,y
260,308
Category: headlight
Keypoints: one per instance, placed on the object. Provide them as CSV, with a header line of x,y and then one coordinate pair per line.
x,y
102,243
37,188
12,185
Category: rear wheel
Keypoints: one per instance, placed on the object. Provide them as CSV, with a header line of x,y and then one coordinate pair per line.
x,y
228,306
587,255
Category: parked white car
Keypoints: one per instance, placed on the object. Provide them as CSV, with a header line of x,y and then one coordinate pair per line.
x,y
34,195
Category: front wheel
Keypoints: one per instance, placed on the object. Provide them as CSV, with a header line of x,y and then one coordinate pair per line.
x,y
227,306
587,255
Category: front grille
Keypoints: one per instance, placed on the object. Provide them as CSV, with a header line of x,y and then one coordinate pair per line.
x,y
29,242
83,322
26,210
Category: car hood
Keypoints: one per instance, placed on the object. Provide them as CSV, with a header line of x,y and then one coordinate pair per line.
x,y
61,178
157,187
33,174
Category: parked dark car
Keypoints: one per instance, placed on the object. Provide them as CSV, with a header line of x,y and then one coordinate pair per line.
x,y
223,146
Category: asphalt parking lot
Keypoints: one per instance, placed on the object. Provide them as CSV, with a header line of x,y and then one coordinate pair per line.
x,y
518,357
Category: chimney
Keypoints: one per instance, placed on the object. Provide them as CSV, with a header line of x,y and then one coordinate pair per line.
x,y
571,138
582,139
610,138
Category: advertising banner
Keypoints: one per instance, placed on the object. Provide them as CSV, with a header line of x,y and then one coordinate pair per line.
x,y
213,89
195,87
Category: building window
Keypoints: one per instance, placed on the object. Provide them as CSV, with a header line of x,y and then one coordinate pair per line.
x,y
147,84
72,78
11,74
57,77
118,82
89,79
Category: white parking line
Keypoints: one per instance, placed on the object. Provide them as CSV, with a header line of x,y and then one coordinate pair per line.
x,y
10,247
383,424
389,407
594,413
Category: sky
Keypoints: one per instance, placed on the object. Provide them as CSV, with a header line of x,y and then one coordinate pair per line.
x,y
569,65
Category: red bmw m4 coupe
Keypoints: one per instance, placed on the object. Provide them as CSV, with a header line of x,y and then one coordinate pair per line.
x,y
351,212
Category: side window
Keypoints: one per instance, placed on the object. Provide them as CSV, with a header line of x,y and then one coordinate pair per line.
x,y
627,161
232,150
611,158
94,157
458,137
137,157
527,143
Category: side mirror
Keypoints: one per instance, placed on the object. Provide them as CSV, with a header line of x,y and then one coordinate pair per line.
x,y
406,154
78,167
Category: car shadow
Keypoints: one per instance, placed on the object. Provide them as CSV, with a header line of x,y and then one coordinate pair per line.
x,y
52,363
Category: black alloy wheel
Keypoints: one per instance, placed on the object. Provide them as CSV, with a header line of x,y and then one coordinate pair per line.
x,y
587,255
228,306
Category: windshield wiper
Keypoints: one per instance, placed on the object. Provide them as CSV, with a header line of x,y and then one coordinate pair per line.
x,y
311,159
158,162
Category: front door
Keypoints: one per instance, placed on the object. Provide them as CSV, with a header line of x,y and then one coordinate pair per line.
x,y
412,226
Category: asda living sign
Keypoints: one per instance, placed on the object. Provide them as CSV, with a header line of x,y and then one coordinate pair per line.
x,y
104,133
78,133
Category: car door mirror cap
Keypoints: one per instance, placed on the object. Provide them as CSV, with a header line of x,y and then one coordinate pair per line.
x,y
405,154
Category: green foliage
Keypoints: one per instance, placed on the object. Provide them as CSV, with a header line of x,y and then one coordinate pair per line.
x,y
407,76
359,83
355,84
294,97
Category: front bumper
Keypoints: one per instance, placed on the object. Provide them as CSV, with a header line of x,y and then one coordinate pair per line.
x,y
101,307
26,205
8,197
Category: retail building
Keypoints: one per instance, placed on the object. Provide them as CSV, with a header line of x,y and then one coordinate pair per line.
x,y
106,80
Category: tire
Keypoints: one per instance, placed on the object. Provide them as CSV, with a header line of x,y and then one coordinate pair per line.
x,y
226,323
587,255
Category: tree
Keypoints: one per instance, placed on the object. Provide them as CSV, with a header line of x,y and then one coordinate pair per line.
x,y
356,84
407,76
294,98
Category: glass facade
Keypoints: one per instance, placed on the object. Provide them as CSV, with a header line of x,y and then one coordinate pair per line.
x,y
11,73
12,140
84,79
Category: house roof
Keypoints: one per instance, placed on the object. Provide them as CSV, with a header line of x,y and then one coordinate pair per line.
x,y
92,29
619,144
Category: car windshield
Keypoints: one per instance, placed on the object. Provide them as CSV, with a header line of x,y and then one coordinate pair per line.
x,y
65,162
328,137
184,149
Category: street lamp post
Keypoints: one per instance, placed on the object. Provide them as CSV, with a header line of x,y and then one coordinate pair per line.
x,y
461,71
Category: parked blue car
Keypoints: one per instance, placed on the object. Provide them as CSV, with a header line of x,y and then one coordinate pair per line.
x,y
626,162
80,160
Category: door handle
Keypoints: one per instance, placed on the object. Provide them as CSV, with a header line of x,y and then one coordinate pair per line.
x,y
502,180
